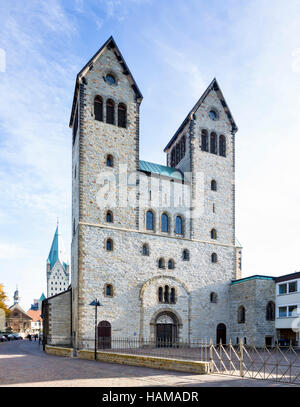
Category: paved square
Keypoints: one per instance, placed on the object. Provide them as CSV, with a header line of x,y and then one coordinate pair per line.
x,y
23,363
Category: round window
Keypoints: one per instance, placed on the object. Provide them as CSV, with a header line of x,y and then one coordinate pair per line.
x,y
213,114
110,79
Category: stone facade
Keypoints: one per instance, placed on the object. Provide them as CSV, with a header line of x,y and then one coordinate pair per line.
x,y
134,307
57,317
254,294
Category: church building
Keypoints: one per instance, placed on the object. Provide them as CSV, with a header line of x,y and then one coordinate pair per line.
x,y
57,269
155,244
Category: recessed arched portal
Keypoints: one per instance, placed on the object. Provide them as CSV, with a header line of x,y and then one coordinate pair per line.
x,y
166,327
221,334
104,335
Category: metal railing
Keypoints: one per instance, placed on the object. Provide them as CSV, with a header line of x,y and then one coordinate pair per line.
x,y
276,363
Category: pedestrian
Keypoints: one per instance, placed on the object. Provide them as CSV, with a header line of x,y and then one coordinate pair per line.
x,y
39,339
29,337
34,338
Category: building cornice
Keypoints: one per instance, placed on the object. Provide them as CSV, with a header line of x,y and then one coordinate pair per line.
x,y
102,226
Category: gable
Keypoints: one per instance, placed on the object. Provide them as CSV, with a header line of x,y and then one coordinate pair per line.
x,y
110,45
213,87
17,309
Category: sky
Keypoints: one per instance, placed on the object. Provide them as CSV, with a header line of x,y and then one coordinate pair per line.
x,y
174,49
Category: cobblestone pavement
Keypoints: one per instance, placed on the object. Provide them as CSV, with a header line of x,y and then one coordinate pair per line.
x,y
23,363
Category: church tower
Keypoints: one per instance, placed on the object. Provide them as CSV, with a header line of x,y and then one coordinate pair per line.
x,y
57,266
208,157
105,128
16,296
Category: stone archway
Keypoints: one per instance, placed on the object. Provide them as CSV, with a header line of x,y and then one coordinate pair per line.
x,y
166,329
160,311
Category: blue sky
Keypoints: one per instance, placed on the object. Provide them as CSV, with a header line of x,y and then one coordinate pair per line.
x,y
174,49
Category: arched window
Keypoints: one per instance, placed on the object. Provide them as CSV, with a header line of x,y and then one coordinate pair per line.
x,y
213,143
149,220
98,108
213,234
166,294
270,311
173,296
109,217
214,258
222,146
109,161
185,255
145,250
171,264
241,315
109,245
161,263
204,140
160,294
213,185
213,297
178,226
110,111
173,158
164,222
122,115
108,290
182,147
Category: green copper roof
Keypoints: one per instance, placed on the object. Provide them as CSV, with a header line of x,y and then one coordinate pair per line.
x,y
42,297
256,277
161,170
57,251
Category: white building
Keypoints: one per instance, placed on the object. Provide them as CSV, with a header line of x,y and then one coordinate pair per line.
x,y
288,308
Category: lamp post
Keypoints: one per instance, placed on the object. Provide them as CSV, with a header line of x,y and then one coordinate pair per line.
x,y
96,303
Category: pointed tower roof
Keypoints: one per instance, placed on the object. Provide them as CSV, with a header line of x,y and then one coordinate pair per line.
x,y
57,251
212,86
42,297
109,44
16,296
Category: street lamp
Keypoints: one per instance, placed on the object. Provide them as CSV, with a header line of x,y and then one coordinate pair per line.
x,y
96,304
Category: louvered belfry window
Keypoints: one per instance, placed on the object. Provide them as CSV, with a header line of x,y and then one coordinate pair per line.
x,y
98,108
110,112
122,115
213,143
222,146
204,140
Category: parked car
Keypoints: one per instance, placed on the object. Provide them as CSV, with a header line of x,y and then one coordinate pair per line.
x,y
10,337
3,338
17,336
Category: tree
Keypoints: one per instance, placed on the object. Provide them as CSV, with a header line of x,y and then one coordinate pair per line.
x,y
3,299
